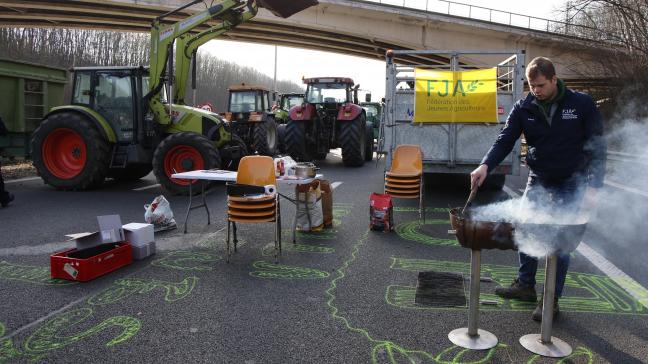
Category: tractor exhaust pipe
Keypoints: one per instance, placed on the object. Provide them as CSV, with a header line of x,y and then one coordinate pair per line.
x,y
285,8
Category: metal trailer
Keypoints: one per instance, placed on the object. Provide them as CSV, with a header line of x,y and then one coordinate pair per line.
x,y
27,92
450,147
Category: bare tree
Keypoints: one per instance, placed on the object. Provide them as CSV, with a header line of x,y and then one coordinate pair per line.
x,y
618,29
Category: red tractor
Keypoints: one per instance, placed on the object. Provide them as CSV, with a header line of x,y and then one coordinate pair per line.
x,y
330,117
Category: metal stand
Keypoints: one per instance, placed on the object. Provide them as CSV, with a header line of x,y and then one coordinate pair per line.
x,y
544,344
472,337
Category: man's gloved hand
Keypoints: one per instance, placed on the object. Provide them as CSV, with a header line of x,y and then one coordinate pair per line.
x,y
478,176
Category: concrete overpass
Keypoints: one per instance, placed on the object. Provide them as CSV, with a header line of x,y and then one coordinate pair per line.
x,y
354,27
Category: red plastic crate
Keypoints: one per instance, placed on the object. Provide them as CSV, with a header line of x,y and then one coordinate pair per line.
x,y
88,264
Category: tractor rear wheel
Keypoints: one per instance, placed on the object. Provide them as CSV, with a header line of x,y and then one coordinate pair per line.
x,y
230,161
265,137
353,141
296,141
69,152
130,173
183,152
281,138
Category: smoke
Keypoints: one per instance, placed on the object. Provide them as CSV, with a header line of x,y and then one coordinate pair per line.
x,y
620,206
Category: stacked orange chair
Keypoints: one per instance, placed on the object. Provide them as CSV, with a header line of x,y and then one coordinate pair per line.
x,y
405,178
257,171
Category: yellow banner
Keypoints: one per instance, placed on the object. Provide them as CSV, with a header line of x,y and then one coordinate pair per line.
x,y
456,96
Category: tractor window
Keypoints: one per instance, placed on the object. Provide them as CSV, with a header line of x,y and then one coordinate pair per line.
x,y
114,101
291,101
328,93
371,110
246,101
82,88
266,101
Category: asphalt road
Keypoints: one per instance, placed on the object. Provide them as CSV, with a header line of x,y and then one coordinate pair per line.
x,y
341,296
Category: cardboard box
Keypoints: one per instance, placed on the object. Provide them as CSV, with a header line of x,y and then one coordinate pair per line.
x,y
110,231
138,234
143,251
87,264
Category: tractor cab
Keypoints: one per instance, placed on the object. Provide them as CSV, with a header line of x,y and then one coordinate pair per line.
x,y
330,93
251,118
115,93
286,102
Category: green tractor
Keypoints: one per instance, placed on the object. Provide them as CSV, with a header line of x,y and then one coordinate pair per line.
x,y
286,102
123,122
249,111
374,112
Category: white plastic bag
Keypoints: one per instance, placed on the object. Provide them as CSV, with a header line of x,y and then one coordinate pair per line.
x,y
159,212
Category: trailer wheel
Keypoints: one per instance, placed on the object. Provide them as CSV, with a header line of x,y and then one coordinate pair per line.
x,y
265,137
131,172
369,143
353,141
183,152
296,140
69,152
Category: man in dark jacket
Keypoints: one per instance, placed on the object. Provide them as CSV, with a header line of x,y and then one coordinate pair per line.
x,y
5,197
566,159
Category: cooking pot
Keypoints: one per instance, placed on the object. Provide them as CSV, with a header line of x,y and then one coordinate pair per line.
x,y
305,170
532,239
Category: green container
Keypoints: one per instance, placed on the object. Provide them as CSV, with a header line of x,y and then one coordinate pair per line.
x,y
27,92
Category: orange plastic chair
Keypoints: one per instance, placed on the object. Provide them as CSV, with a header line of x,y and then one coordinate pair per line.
x,y
405,178
257,171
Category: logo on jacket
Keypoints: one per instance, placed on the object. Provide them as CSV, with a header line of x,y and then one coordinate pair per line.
x,y
569,114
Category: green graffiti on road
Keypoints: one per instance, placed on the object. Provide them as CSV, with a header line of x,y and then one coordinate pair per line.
x,y
186,260
268,250
411,231
30,274
280,271
579,355
7,349
47,337
129,286
583,292
427,209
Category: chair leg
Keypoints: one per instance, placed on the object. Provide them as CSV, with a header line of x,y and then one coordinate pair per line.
x,y
235,237
279,231
421,207
228,240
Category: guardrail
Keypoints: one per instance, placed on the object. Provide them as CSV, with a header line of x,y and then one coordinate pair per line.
x,y
491,15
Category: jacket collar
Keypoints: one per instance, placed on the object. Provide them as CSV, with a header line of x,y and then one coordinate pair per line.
x,y
528,102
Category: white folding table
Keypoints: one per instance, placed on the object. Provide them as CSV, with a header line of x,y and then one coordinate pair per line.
x,y
230,176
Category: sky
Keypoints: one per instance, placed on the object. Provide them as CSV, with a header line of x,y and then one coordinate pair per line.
x,y
294,63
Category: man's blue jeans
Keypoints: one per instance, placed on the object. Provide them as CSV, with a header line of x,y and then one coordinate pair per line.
x,y
554,194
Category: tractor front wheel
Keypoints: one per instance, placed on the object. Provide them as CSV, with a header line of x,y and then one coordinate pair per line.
x,y
69,152
369,143
353,138
265,137
183,152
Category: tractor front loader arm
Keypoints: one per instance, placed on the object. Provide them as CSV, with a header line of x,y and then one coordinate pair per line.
x,y
188,44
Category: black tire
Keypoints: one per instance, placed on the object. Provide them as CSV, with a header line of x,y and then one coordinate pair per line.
x,y
130,173
232,162
369,143
265,137
320,155
353,140
88,173
281,138
296,141
195,149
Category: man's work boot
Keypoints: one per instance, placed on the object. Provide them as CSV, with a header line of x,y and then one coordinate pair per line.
x,y
518,291
7,200
537,313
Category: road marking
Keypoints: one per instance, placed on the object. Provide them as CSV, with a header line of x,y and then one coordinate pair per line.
x,y
632,287
146,187
22,180
626,188
334,185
